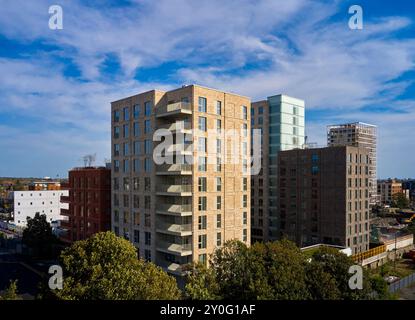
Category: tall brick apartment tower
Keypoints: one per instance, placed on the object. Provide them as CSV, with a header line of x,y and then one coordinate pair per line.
x,y
324,196
89,201
177,213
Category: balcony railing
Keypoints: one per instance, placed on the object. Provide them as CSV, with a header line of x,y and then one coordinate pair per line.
x,y
173,227
175,209
65,199
172,267
174,108
174,247
177,126
64,211
173,188
174,169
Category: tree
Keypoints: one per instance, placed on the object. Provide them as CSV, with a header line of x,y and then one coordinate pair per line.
x,y
336,265
11,292
38,236
400,201
263,271
106,267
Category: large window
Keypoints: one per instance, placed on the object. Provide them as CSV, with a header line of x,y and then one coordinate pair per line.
x,y
125,131
136,111
218,184
126,114
147,108
202,164
202,241
202,184
202,124
136,129
244,112
202,204
202,104
219,108
202,145
202,223
116,115
218,203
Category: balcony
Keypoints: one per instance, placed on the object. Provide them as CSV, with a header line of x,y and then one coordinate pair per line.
x,y
174,190
172,267
64,212
174,209
181,126
174,109
65,199
174,169
174,229
174,248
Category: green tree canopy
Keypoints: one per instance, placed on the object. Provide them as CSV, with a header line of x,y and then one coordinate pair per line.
x,y
400,201
106,267
38,236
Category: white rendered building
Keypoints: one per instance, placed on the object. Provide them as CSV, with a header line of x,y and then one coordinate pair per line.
x,y
48,202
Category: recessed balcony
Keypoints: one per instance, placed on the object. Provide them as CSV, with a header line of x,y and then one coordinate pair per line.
x,y
174,228
174,190
174,248
174,209
174,109
174,169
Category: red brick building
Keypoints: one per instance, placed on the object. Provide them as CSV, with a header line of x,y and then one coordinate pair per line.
x,y
89,203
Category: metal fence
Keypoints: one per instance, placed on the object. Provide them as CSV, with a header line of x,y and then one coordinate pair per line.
x,y
403,283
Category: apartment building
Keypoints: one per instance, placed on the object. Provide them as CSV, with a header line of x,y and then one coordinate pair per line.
x,y
324,196
387,189
180,211
358,134
47,202
88,203
281,120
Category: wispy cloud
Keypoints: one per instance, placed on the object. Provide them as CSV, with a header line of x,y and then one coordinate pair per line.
x,y
256,48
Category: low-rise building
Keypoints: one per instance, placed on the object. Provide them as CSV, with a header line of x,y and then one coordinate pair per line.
x,y
387,189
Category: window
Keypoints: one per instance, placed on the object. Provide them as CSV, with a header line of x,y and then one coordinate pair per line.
x,y
219,221
219,239
136,236
202,241
244,184
126,149
202,223
314,170
244,217
260,110
219,108
136,148
218,164
126,114
147,165
147,184
202,164
202,258
136,203
202,104
202,124
126,184
147,238
136,165
218,125
125,131
147,146
218,146
147,126
136,129
244,201
147,255
218,203
136,111
202,144
202,205
116,115
244,235
202,184
116,132
147,108
147,202
126,166
116,149
244,113
218,184
245,130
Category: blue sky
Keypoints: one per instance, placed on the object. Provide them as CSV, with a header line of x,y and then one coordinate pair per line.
x,y
56,85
